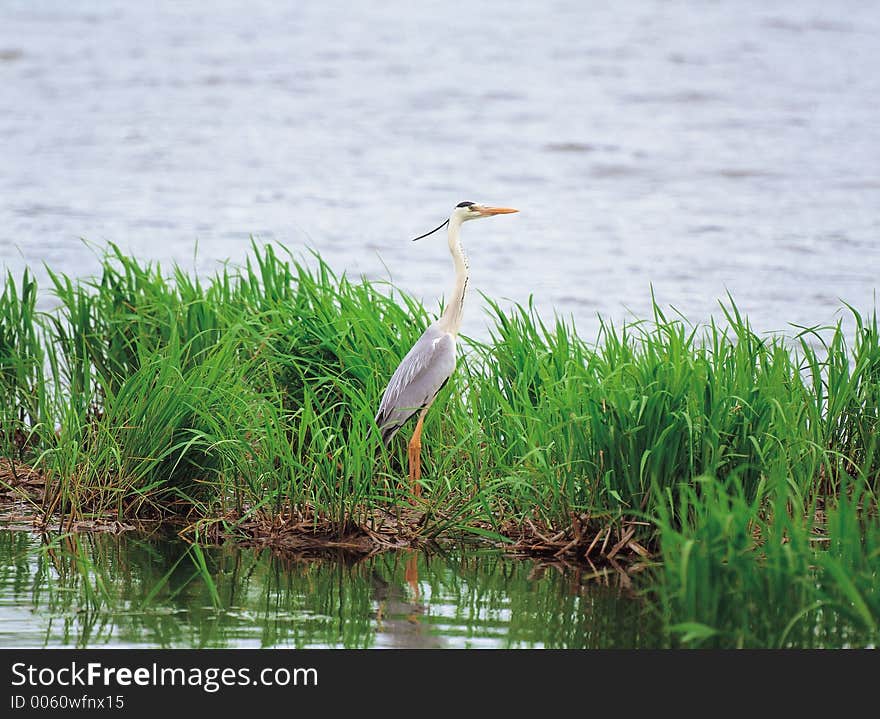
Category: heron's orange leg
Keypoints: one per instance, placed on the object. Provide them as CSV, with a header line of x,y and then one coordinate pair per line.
x,y
414,451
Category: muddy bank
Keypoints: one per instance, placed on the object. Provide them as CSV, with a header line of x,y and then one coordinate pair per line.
x,y
586,540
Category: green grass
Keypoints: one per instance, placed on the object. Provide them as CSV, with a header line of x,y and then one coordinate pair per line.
x,y
248,398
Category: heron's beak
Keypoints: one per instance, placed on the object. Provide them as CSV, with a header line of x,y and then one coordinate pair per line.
x,y
489,211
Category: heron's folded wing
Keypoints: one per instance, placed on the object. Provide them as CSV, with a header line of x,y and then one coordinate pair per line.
x,y
417,379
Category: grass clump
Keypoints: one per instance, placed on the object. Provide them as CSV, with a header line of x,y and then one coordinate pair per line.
x,y
244,403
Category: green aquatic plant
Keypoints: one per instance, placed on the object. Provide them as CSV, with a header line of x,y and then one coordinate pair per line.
x,y
243,402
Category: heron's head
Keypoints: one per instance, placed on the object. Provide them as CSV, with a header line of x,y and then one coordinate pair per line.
x,y
465,211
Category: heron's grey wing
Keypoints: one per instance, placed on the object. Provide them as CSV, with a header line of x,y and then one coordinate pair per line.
x,y
417,380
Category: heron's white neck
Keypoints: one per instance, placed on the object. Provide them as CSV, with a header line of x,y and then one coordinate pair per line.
x,y
450,320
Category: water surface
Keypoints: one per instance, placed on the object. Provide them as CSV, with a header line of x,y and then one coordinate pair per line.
x,y
129,591
699,149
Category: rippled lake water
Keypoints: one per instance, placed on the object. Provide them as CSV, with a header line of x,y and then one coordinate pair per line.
x,y
104,591
698,149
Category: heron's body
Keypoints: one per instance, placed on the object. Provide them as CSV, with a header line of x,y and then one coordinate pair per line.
x,y
428,365
417,380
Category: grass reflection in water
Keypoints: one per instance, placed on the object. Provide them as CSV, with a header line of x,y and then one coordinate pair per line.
x,y
126,591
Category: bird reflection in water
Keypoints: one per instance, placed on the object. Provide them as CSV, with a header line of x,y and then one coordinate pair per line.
x,y
400,616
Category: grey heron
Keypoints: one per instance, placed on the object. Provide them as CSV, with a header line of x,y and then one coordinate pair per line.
x,y
428,365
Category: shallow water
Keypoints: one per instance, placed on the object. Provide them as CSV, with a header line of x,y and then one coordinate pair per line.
x,y
127,591
731,148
